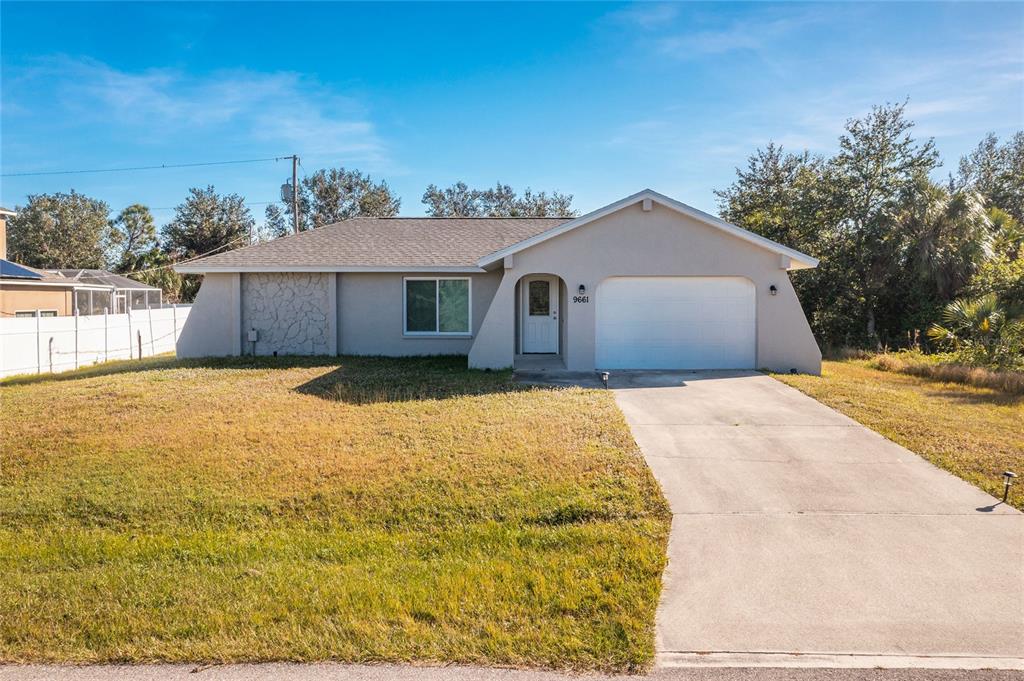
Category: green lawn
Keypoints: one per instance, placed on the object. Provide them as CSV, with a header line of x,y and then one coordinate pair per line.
x,y
293,509
974,433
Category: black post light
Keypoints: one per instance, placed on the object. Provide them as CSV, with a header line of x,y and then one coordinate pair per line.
x,y
1008,477
604,378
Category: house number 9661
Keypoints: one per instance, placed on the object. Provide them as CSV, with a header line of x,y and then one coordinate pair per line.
x,y
581,299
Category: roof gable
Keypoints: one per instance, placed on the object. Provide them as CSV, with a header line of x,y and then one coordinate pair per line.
x,y
797,260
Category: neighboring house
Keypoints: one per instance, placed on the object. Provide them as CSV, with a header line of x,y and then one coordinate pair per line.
x,y
24,291
99,289
644,283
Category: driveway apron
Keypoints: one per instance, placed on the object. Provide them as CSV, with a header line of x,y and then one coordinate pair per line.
x,y
797,530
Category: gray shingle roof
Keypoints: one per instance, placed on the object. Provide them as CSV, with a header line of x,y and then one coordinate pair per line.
x,y
385,242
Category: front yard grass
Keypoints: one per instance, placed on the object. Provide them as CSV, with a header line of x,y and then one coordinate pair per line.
x,y
974,433
298,509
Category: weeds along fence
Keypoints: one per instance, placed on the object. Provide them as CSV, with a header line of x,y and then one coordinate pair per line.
x,y
30,345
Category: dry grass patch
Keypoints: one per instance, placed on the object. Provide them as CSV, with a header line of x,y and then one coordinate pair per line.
x,y
974,433
917,365
291,509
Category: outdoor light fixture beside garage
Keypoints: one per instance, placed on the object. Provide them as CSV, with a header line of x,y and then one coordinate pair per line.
x,y
583,289
773,289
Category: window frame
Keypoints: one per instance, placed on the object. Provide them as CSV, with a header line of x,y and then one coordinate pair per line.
x,y
468,333
43,312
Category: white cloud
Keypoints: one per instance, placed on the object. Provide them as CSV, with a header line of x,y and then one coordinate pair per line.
x,y
280,112
747,35
647,15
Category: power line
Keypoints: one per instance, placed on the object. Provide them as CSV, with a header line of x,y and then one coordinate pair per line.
x,y
182,262
159,167
248,203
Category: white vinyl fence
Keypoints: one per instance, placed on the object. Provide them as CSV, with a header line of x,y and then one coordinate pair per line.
x,y
30,345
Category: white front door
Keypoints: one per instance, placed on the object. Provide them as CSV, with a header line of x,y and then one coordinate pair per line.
x,y
540,314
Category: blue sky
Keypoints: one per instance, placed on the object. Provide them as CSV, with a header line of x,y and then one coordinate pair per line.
x,y
597,100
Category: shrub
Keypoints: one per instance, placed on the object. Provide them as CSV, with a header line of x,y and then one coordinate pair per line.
x,y
980,333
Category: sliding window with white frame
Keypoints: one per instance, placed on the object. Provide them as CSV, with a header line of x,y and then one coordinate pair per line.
x,y
437,306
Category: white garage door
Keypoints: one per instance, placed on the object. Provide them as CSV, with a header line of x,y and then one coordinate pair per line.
x,y
675,323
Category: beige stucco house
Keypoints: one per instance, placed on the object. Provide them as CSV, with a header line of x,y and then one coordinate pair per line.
x,y
643,283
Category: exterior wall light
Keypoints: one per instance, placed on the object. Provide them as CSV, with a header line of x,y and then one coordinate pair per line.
x,y
583,289
773,289
1008,477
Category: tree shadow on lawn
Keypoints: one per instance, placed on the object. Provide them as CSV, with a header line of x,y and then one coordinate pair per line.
x,y
351,379
370,380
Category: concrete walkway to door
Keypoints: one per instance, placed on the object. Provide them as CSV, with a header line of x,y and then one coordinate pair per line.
x,y
797,530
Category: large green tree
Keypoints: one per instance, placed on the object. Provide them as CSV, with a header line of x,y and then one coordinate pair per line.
x,y
132,238
459,200
895,246
776,196
333,194
878,159
996,171
274,222
206,222
60,231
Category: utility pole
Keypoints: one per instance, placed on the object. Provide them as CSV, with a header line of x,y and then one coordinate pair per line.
x,y
295,192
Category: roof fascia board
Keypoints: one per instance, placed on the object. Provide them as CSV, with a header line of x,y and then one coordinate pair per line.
x,y
800,260
201,269
55,284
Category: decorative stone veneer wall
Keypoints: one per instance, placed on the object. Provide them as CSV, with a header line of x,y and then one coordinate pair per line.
x,y
291,312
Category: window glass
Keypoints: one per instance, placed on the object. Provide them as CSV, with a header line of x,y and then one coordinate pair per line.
x,y
47,313
453,305
421,306
82,301
25,313
100,300
540,298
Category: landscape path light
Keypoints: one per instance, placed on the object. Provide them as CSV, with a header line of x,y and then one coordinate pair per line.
x,y
1008,477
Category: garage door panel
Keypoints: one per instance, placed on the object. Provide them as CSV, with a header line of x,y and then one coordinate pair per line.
x,y
675,323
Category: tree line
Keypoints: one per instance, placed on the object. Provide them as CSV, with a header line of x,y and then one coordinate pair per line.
x,y
71,230
899,251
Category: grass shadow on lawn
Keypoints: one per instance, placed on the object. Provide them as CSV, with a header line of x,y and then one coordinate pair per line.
x,y
980,396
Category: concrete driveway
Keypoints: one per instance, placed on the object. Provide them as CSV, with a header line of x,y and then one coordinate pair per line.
x,y
798,531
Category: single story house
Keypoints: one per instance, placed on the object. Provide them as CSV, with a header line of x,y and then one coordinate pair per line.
x,y
646,282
